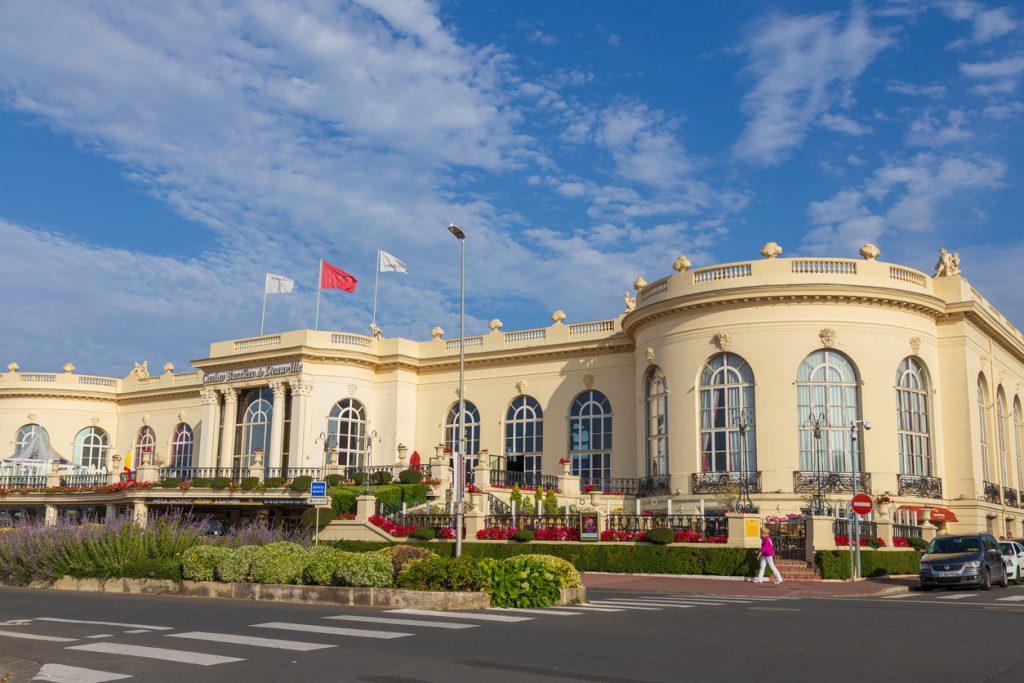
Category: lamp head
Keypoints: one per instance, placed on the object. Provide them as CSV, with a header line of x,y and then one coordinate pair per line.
x,y
457,231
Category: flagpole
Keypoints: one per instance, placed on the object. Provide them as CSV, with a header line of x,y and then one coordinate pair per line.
x,y
376,283
263,317
319,286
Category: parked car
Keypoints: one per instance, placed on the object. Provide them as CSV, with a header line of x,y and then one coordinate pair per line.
x,y
1013,556
210,527
967,560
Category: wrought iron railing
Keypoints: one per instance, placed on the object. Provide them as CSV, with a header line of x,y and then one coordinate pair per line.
x,y
842,527
831,482
617,485
1010,496
653,486
18,481
94,479
725,482
907,531
532,522
192,473
789,538
292,472
497,506
432,520
921,486
990,492
524,480
714,524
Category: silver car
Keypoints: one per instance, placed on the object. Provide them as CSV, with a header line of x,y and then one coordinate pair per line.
x,y
968,560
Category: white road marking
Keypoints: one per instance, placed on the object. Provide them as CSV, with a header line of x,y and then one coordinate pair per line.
x,y
401,622
106,623
555,612
35,636
897,596
954,596
331,630
183,656
458,615
16,622
642,605
588,608
61,673
275,643
102,635
1012,598
600,604
138,630
717,601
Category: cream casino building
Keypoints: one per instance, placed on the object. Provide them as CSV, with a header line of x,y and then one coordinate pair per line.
x,y
751,376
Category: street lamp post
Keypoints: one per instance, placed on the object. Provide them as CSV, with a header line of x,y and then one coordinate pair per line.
x,y
855,471
743,421
817,423
460,457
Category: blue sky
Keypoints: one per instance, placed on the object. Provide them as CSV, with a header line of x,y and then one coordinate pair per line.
x,y
155,161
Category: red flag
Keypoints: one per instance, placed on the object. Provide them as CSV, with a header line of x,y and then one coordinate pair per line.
x,y
332,277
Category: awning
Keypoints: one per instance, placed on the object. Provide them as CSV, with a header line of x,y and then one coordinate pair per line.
x,y
938,513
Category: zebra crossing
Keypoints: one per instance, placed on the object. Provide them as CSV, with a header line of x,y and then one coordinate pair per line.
x,y
132,642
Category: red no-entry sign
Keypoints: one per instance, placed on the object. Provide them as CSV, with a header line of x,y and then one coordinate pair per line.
x,y
861,503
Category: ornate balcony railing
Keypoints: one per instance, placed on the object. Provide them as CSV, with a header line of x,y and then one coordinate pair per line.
x,y
842,527
1010,496
921,486
190,473
990,492
532,522
94,479
17,481
290,473
831,482
907,531
711,524
628,487
653,486
524,480
725,482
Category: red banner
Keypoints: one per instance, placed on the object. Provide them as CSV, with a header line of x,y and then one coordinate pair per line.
x,y
332,277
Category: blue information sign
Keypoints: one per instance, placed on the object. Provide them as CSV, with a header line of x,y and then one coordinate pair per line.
x,y
318,489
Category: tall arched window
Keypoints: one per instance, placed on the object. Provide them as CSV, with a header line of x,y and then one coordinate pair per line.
x,y
1002,432
26,433
656,422
983,426
91,448
913,427
826,385
181,446
471,430
590,436
346,431
726,398
524,435
1017,426
145,444
254,428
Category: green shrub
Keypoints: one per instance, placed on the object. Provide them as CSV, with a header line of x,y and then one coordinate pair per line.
x,y
237,566
343,500
301,484
273,482
918,543
567,575
199,563
423,533
249,483
365,546
171,483
320,516
381,477
660,536
516,496
220,483
201,483
550,503
335,480
524,535
321,563
410,476
520,582
527,508
835,564
280,562
359,478
442,574
371,570
168,568
402,554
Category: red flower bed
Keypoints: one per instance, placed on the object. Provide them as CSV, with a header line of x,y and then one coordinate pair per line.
x,y
396,530
447,532
495,534
557,534
346,515
845,541
616,535
900,543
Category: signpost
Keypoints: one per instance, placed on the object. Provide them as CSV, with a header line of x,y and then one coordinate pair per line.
x,y
318,489
860,505
318,497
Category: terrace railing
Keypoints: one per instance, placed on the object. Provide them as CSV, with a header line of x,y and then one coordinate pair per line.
x,y
805,481
725,482
93,479
524,480
990,492
653,486
532,522
907,531
610,485
290,473
714,524
18,481
842,527
921,486
190,473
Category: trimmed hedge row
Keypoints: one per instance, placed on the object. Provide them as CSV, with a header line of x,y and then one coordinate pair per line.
x,y
343,498
835,564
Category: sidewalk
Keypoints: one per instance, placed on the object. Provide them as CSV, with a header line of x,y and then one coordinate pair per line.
x,y
740,586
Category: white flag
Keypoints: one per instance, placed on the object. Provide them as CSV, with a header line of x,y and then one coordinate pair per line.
x,y
390,264
279,284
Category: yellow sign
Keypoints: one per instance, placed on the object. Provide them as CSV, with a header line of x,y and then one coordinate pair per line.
x,y
751,528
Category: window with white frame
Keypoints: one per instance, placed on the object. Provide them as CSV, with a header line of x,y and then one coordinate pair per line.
x,y
1017,417
913,427
590,436
27,433
983,426
252,443
1002,431
471,430
656,422
827,392
726,399
181,446
145,444
346,431
91,448
524,435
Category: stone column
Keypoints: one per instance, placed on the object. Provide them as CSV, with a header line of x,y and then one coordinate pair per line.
x,y
208,435
301,392
744,530
139,515
482,475
439,468
276,427
475,519
885,531
147,473
111,513
366,507
820,535
50,515
227,451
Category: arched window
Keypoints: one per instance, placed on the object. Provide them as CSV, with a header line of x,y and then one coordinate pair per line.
x,y
826,385
91,448
983,426
656,422
254,444
1017,417
26,433
913,427
1002,432
181,446
145,444
590,436
471,430
524,435
346,431
726,399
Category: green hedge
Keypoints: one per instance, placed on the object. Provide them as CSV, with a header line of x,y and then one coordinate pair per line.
x,y
171,483
250,483
301,484
835,564
281,562
370,570
320,516
343,498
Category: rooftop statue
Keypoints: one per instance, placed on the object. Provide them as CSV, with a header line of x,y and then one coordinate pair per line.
x,y
630,301
140,370
948,264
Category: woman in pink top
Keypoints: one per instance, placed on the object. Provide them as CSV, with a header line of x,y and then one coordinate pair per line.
x,y
767,556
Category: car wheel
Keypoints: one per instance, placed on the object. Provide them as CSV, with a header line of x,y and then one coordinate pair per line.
x,y
1016,579
986,580
1005,580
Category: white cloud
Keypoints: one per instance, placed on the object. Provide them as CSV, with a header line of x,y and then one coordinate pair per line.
x,y
802,66
987,24
929,130
933,91
837,123
1012,66
643,146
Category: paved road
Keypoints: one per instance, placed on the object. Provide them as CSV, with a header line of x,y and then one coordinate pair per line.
x,y
619,636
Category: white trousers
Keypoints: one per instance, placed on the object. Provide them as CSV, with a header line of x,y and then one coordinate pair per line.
x,y
770,561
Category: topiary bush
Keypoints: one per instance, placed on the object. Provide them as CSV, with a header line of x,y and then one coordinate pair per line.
x,y
321,563
442,574
400,555
335,480
171,483
381,477
568,576
410,477
320,517
524,535
359,478
660,536
280,562
918,543
520,582
370,570
237,565
199,563
250,483
220,483
550,503
273,482
526,508
300,484
423,533
201,483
